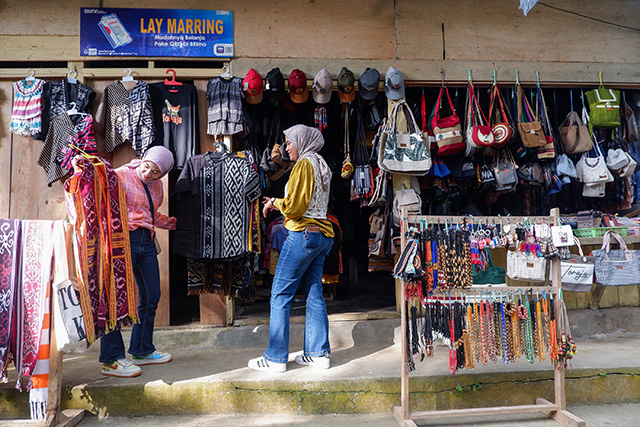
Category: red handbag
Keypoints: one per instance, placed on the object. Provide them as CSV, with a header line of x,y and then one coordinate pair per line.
x,y
481,133
501,128
447,130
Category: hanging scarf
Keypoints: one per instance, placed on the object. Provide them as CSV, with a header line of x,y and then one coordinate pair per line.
x,y
36,258
9,250
40,380
107,290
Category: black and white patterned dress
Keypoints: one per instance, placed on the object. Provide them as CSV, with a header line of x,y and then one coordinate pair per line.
x,y
127,116
224,110
214,193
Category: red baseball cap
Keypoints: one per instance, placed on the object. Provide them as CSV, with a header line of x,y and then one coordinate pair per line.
x,y
298,86
252,86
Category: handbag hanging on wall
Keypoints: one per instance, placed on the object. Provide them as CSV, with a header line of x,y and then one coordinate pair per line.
x,y
500,125
491,275
447,130
574,133
604,107
404,151
529,127
482,135
505,170
547,151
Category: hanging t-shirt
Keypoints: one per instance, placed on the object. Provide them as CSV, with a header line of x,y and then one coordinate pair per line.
x,y
26,114
213,194
126,116
224,111
176,119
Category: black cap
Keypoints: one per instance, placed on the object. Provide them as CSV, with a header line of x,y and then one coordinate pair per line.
x,y
368,84
274,85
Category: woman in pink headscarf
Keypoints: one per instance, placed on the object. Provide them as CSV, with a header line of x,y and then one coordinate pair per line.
x,y
140,180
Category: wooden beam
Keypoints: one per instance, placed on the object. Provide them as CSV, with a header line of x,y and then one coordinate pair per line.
x,y
477,412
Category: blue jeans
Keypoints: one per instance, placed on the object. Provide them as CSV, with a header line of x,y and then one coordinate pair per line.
x,y
301,260
147,274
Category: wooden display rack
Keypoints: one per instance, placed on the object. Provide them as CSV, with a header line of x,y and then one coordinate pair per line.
x,y
55,417
556,410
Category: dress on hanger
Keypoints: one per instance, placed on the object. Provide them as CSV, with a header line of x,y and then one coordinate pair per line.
x,y
224,112
127,116
26,115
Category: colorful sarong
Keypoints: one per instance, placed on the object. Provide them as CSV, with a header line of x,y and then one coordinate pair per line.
x,y
9,274
36,259
107,287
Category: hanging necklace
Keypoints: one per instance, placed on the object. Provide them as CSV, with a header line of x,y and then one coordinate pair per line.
x,y
476,333
515,332
529,349
541,355
490,331
470,344
505,346
483,335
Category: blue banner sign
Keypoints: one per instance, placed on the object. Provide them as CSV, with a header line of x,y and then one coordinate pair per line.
x,y
156,32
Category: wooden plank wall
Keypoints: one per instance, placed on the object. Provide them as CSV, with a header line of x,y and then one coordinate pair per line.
x,y
417,37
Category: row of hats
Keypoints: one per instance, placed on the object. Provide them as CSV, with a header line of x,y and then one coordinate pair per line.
x,y
368,83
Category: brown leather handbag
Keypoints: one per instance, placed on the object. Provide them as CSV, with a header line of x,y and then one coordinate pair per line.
x,y
529,126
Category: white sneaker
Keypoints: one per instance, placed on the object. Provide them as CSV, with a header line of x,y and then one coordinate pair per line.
x,y
322,362
262,364
121,368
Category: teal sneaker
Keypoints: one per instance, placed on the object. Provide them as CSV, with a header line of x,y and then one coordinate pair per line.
x,y
155,358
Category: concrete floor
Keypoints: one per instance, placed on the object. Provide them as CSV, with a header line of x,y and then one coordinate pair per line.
x,y
619,415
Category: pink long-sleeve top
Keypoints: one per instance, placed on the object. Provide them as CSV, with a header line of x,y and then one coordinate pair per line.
x,y
138,209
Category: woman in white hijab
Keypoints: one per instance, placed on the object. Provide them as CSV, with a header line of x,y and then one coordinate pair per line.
x,y
310,237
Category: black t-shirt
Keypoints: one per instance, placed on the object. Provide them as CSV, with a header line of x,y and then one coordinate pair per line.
x,y
176,120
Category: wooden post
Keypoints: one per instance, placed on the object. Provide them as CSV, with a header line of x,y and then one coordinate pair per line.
x,y
404,374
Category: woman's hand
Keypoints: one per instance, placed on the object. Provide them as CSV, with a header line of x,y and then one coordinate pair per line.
x,y
268,205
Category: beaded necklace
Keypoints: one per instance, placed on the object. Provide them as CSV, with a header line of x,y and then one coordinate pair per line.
x,y
509,312
453,359
476,333
515,333
528,337
505,347
483,335
497,328
545,321
541,355
470,344
491,338
553,332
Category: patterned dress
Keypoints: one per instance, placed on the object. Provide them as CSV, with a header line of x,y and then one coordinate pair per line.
x,y
26,115
224,110
127,116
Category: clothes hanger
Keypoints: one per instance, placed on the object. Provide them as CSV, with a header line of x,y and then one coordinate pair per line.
x,y
128,77
225,73
173,81
73,110
31,75
71,76
85,154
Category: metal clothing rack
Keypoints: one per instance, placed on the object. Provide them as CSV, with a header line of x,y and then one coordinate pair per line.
x,y
555,410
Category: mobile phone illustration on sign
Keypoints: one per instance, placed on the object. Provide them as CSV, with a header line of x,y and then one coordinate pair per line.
x,y
114,30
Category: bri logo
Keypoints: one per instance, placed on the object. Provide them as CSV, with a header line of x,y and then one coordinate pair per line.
x,y
172,113
220,50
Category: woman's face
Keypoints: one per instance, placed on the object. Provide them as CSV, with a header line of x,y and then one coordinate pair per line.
x,y
291,150
149,170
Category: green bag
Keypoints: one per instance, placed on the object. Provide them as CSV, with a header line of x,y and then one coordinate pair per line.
x,y
604,108
492,275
